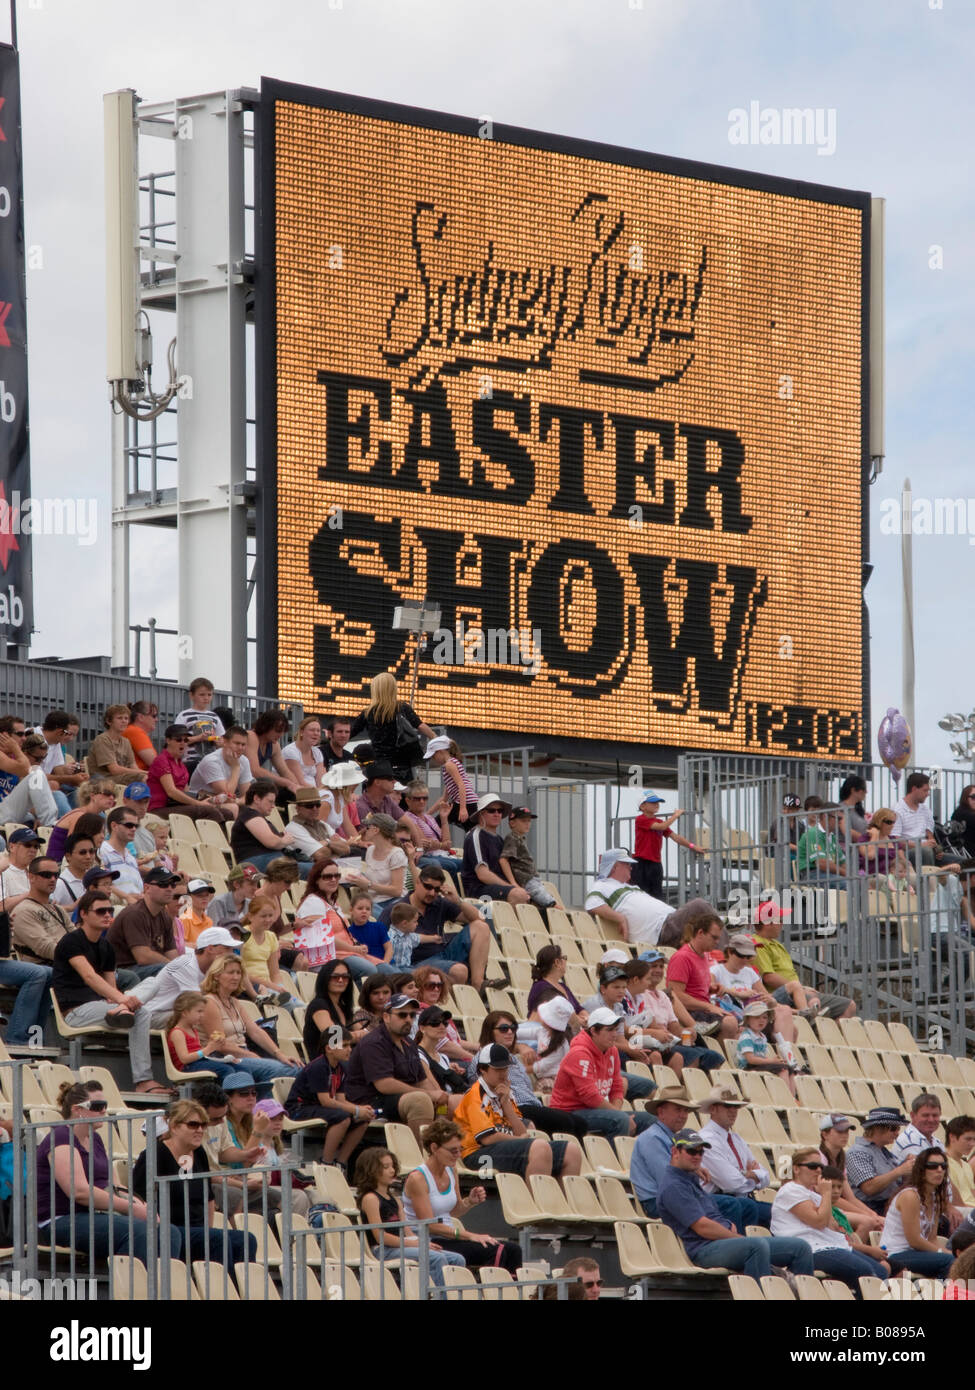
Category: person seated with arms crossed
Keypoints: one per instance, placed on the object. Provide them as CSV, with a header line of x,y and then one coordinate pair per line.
x,y
710,1239
804,1208
731,1167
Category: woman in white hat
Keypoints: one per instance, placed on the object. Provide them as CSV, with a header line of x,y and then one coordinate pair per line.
x,y
340,787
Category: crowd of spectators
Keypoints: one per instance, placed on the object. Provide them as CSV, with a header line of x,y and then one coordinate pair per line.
x,y
101,917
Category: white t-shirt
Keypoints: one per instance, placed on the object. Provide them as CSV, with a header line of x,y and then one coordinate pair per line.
x,y
382,871
213,768
747,978
54,757
68,888
783,1223
644,915
309,775
13,882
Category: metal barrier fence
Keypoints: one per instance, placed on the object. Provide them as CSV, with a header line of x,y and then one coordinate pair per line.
x,y
86,1223
32,691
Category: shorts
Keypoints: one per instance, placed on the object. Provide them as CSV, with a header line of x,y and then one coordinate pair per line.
x,y
833,1005
488,890
511,1156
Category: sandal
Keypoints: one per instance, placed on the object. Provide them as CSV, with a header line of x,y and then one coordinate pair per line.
x,y
120,1019
154,1088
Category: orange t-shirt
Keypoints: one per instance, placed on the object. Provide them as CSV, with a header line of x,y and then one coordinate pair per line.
x,y
478,1116
140,741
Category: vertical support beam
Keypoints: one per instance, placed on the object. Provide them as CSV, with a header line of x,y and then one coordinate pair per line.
x,y
210,313
120,546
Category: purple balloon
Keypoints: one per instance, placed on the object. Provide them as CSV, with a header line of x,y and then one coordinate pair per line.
x,y
894,742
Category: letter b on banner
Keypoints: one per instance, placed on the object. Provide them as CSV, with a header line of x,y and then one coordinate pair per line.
x,y
8,405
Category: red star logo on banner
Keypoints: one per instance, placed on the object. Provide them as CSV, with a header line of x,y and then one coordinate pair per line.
x,y
8,541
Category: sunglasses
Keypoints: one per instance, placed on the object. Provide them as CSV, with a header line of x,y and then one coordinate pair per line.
x,y
935,1165
695,1153
198,1124
333,876
129,824
434,984
342,979
505,1028
44,873
404,1013
84,853
810,1165
103,912
251,1092
97,1106
431,887
591,1283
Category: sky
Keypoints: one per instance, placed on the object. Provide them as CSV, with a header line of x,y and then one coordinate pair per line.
x,y
656,76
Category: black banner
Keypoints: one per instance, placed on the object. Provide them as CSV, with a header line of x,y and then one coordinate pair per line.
x,y
16,575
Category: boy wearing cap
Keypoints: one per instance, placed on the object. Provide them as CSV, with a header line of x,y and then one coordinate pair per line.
x,y
481,872
710,1239
494,1133
590,1079
517,864
194,916
648,843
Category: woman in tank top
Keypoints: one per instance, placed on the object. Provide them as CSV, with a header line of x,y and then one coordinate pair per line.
x,y
431,1191
913,1217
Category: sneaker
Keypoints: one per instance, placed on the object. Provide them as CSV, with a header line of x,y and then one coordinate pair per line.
x,y
706,1029
499,983
811,1012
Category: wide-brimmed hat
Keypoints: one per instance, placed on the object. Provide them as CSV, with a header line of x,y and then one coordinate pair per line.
x,y
721,1095
489,799
344,774
674,1095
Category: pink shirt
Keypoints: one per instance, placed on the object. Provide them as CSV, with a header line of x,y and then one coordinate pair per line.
x,y
162,764
653,1006
692,971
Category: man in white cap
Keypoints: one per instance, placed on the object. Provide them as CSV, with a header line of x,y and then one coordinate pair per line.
x,y
731,1167
186,972
481,872
614,899
590,1079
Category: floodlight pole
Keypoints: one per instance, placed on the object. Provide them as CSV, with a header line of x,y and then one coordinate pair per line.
x,y
907,606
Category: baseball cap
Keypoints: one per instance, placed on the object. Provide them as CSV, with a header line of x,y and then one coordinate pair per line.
x,y
433,1016
494,1055
613,956
25,836
215,936
176,731
610,858
603,1018
651,796
94,874
684,1139
770,912
792,802
380,770
199,885
741,944
440,744
137,791
651,957
242,871
840,1122
522,811
270,1108
162,878
400,1001
611,973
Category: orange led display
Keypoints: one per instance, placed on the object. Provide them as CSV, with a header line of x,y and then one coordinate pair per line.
x,y
606,411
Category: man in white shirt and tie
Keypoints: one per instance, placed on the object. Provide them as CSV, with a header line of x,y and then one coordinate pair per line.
x,y
731,1167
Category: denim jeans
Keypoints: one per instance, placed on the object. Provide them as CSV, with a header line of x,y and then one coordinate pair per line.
x,y
847,1265
104,1233
755,1255
196,1239
264,1070
33,1004
261,861
743,1211
612,1122
935,1263
449,864
439,1259
703,1056
359,967
222,1069
638,1087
